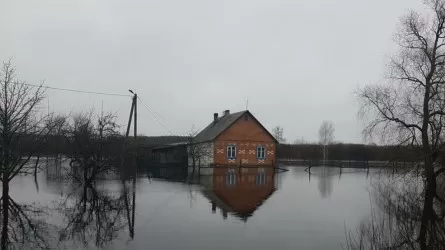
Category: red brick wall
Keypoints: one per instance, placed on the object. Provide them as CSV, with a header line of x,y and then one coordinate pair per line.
x,y
247,135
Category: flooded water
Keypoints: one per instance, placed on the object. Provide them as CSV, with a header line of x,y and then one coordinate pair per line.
x,y
248,209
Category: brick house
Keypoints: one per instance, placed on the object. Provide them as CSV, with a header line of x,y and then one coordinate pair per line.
x,y
236,139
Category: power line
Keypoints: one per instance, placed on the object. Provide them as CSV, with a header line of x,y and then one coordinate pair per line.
x,y
160,118
75,90
153,113
157,114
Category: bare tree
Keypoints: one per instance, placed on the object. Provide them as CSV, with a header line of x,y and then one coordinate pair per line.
x,y
56,136
20,123
196,151
326,136
22,130
409,108
93,143
326,133
278,133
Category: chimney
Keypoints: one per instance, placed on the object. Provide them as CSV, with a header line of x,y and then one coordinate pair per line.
x,y
226,112
215,117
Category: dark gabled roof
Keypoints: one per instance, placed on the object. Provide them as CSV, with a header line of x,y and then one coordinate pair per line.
x,y
213,130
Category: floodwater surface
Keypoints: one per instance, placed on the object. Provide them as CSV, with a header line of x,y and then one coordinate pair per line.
x,y
249,209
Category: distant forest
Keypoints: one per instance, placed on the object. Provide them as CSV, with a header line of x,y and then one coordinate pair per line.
x,y
59,144
341,151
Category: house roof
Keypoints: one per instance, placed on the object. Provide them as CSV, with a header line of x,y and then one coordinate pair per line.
x,y
213,130
171,145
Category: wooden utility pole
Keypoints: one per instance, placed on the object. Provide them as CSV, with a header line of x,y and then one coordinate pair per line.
x,y
133,110
135,105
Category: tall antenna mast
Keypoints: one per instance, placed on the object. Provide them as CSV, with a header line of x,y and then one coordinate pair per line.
x,y
247,103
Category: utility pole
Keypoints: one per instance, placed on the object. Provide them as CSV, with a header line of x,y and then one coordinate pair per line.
x,y
135,104
135,131
133,110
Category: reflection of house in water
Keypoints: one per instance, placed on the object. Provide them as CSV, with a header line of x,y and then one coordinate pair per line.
x,y
240,191
237,155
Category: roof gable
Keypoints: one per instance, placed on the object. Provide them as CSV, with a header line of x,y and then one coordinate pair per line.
x,y
214,129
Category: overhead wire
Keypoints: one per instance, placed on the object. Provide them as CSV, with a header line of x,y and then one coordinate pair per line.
x,y
157,117
75,90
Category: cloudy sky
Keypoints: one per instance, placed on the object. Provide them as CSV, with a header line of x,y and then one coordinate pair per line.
x,y
298,62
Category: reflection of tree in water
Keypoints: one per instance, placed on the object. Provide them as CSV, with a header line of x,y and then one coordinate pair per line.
x,y
325,176
92,215
96,216
53,169
395,221
23,226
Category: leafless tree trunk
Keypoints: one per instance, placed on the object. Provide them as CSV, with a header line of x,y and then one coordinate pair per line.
x,y
410,107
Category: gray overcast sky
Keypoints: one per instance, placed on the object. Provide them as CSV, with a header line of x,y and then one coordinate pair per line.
x,y
298,62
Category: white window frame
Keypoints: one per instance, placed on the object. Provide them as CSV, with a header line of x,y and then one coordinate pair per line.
x,y
259,150
231,152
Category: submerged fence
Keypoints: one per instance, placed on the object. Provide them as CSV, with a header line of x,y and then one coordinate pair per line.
x,y
346,163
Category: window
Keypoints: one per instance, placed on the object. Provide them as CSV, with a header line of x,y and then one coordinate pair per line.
x,y
260,178
231,152
260,153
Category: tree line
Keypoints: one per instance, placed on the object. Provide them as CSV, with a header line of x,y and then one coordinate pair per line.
x,y
346,151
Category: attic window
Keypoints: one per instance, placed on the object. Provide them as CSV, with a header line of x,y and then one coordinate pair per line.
x,y
246,117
